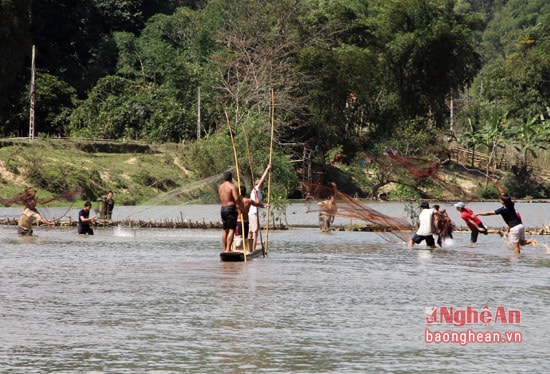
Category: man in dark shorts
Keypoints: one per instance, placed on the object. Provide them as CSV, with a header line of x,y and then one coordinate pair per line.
x,y
472,221
425,227
229,199
84,221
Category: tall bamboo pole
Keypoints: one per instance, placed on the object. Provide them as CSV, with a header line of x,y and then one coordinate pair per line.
x,y
249,155
252,181
245,246
269,176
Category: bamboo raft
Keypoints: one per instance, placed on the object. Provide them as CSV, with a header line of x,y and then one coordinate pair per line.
x,y
238,251
238,256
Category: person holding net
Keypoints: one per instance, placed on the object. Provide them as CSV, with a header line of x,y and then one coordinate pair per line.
x,y
327,213
30,215
85,222
426,227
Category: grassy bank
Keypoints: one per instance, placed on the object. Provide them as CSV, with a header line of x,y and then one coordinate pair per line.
x,y
140,173
135,172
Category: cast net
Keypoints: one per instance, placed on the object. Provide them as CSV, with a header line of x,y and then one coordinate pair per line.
x,y
198,192
29,198
444,227
399,166
30,195
418,167
391,228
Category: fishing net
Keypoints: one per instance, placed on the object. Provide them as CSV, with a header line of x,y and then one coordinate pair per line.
x,y
346,206
29,199
29,195
443,225
394,164
418,167
198,192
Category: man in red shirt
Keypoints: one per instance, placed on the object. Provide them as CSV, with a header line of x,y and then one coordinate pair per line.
x,y
473,222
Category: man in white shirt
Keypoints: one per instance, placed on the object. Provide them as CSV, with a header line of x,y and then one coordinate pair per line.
x,y
253,219
425,228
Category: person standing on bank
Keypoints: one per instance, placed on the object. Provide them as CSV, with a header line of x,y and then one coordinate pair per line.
x,y
109,205
425,228
84,221
29,216
230,200
508,213
253,218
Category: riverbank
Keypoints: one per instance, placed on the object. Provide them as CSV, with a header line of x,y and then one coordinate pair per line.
x,y
156,174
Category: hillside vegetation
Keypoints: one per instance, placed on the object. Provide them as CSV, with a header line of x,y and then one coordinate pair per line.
x,y
135,172
142,173
351,78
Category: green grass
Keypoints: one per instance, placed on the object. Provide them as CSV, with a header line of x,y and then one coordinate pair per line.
x,y
135,173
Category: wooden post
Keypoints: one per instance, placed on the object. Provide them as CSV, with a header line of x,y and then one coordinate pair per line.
x,y
199,115
32,94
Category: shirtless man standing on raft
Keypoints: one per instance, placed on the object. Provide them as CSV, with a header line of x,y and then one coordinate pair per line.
x,y
229,199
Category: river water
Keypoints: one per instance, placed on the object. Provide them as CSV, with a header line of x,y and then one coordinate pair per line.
x,y
159,300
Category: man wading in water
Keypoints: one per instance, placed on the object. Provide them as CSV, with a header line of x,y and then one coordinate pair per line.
x,y
508,213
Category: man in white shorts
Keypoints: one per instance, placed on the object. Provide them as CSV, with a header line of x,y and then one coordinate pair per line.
x,y
253,219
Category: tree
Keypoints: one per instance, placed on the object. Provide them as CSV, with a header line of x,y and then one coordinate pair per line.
x,y
256,59
15,40
429,51
518,53
154,92
530,136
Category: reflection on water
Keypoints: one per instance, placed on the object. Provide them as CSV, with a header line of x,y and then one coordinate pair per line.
x,y
145,300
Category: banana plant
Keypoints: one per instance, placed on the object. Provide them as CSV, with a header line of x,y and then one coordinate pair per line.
x,y
530,136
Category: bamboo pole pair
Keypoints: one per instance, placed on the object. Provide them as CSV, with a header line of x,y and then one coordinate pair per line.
x,y
245,241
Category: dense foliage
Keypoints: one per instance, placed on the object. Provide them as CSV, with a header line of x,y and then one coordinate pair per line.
x,y
346,76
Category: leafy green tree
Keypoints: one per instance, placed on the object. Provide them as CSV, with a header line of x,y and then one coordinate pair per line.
x,y
15,40
55,101
154,93
530,136
119,108
429,51
15,44
518,53
71,34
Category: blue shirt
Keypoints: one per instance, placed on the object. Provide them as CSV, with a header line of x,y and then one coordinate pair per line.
x,y
509,215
